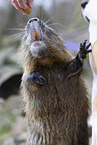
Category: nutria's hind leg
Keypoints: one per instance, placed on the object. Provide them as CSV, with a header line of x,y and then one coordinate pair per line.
x,y
35,78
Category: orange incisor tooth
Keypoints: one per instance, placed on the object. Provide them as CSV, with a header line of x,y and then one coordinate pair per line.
x,y
35,33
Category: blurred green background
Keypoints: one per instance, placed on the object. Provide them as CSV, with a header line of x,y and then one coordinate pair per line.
x,y
62,15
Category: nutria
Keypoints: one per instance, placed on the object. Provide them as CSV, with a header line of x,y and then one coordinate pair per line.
x,y
52,87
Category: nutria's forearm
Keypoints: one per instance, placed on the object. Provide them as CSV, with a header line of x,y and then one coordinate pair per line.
x,y
75,66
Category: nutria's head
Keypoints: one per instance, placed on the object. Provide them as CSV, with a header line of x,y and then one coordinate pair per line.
x,y
42,38
41,42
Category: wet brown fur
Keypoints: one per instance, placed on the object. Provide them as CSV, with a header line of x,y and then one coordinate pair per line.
x,y
56,112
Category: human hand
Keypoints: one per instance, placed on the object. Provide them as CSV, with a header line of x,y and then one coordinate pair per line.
x,y
20,4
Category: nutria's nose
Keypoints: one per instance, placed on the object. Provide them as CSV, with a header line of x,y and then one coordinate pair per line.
x,y
84,3
33,19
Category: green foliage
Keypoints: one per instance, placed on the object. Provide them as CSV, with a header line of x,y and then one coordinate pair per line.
x,y
6,129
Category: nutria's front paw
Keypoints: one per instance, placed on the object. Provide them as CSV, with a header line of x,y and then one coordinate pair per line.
x,y
36,78
84,50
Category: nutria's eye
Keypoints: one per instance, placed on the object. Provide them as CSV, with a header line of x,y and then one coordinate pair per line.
x,y
43,25
43,28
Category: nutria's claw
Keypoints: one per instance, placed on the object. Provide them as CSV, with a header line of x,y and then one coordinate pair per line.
x,y
38,78
84,50
34,78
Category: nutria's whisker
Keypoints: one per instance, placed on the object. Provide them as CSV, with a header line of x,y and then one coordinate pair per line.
x,y
49,20
17,34
16,29
19,23
57,24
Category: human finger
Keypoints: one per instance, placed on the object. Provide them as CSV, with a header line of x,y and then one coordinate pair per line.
x,y
15,4
22,4
30,3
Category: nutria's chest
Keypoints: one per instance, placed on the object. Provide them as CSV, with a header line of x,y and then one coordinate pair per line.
x,y
58,73
56,95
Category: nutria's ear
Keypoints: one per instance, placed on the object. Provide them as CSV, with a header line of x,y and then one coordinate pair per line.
x,y
83,6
